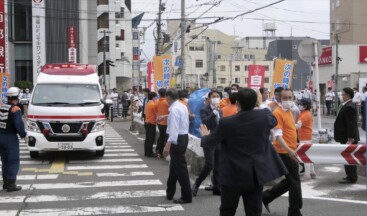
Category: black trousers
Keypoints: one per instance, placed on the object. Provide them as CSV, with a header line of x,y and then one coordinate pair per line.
x,y
363,110
162,138
291,183
150,131
178,169
251,200
215,177
208,165
328,106
351,171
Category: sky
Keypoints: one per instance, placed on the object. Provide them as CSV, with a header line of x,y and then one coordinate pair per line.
x,y
292,17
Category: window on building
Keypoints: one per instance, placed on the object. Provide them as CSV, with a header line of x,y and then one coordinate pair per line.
x,y
102,2
237,80
103,21
199,63
118,45
222,68
266,67
219,42
337,3
117,22
246,67
246,56
237,68
120,14
101,45
222,80
121,36
219,56
246,79
266,80
196,48
24,70
252,57
21,21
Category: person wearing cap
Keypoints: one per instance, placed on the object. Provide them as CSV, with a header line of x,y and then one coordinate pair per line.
x,y
11,124
304,126
24,100
114,97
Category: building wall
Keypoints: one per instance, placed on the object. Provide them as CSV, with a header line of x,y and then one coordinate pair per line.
x,y
240,72
117,26
348,19
349,67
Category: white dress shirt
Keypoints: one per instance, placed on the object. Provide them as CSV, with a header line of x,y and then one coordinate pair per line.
x,y
178,121
329,96
357,98
114,96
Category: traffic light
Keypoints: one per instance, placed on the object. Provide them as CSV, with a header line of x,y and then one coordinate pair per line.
x,y
108,64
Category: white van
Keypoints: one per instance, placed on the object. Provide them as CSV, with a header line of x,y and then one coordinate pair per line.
x,y
65,112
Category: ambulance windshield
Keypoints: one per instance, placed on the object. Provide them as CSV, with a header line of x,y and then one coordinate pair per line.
x,y
66,95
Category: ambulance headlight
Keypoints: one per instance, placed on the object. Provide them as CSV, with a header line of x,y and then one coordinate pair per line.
x,y
98,126
32,126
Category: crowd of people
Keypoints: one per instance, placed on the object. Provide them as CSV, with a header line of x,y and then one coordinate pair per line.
x,y
248,140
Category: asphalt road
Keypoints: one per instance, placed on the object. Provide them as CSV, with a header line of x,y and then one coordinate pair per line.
x,y
124,182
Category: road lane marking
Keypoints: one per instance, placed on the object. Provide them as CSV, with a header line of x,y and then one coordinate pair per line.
x,y
125,174
102,210
117,147
120,154
119,150
107,160
94,196
52,186
35,177
107,167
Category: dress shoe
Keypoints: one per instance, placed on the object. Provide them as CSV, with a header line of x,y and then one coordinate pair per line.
x,y
151,155
194,190
266,205
169,198
5,184
347,181
11,186
181,201
209,188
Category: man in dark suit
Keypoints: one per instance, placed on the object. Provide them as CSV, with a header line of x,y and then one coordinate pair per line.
x,y
210,116
248,159
346,130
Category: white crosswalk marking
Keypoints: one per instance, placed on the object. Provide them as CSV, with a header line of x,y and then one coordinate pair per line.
x,y
118,183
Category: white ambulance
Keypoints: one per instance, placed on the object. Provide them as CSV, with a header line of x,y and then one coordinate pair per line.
x,y
65,112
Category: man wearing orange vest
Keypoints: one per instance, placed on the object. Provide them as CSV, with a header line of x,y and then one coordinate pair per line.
x,y
231,109
161,109
150,125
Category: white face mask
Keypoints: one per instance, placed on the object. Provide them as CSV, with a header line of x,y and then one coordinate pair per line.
x,y
287,104
234,91
215,101
300,107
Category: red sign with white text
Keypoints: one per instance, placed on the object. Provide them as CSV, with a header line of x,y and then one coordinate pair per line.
x,y
362,54
2,38
326,57
150,74
72,44
256,74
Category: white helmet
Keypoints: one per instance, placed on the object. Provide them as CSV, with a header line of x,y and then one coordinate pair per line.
x,y
13,92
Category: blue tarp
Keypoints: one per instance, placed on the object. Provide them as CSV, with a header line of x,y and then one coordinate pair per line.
x,y
196,102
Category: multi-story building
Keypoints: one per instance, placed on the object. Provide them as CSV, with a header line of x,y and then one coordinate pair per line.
x,y
49,33
348,20
114,23
287,48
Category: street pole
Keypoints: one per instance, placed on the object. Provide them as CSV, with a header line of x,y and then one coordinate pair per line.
x,y
183,29
336,72
104,57
317,85
159,27
214,68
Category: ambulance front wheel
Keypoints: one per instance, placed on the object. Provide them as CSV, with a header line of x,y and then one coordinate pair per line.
x,y
34,154
100,153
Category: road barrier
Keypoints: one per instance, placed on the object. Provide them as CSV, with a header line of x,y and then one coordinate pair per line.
x,y
332,154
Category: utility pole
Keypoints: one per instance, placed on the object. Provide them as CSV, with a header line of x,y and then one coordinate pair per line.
x,y
159,29
336,71
104,55
183,30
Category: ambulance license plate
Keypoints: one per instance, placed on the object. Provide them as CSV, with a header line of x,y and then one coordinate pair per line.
x,y
65,146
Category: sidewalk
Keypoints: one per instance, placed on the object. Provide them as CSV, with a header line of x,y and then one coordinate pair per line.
x,y
327,122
